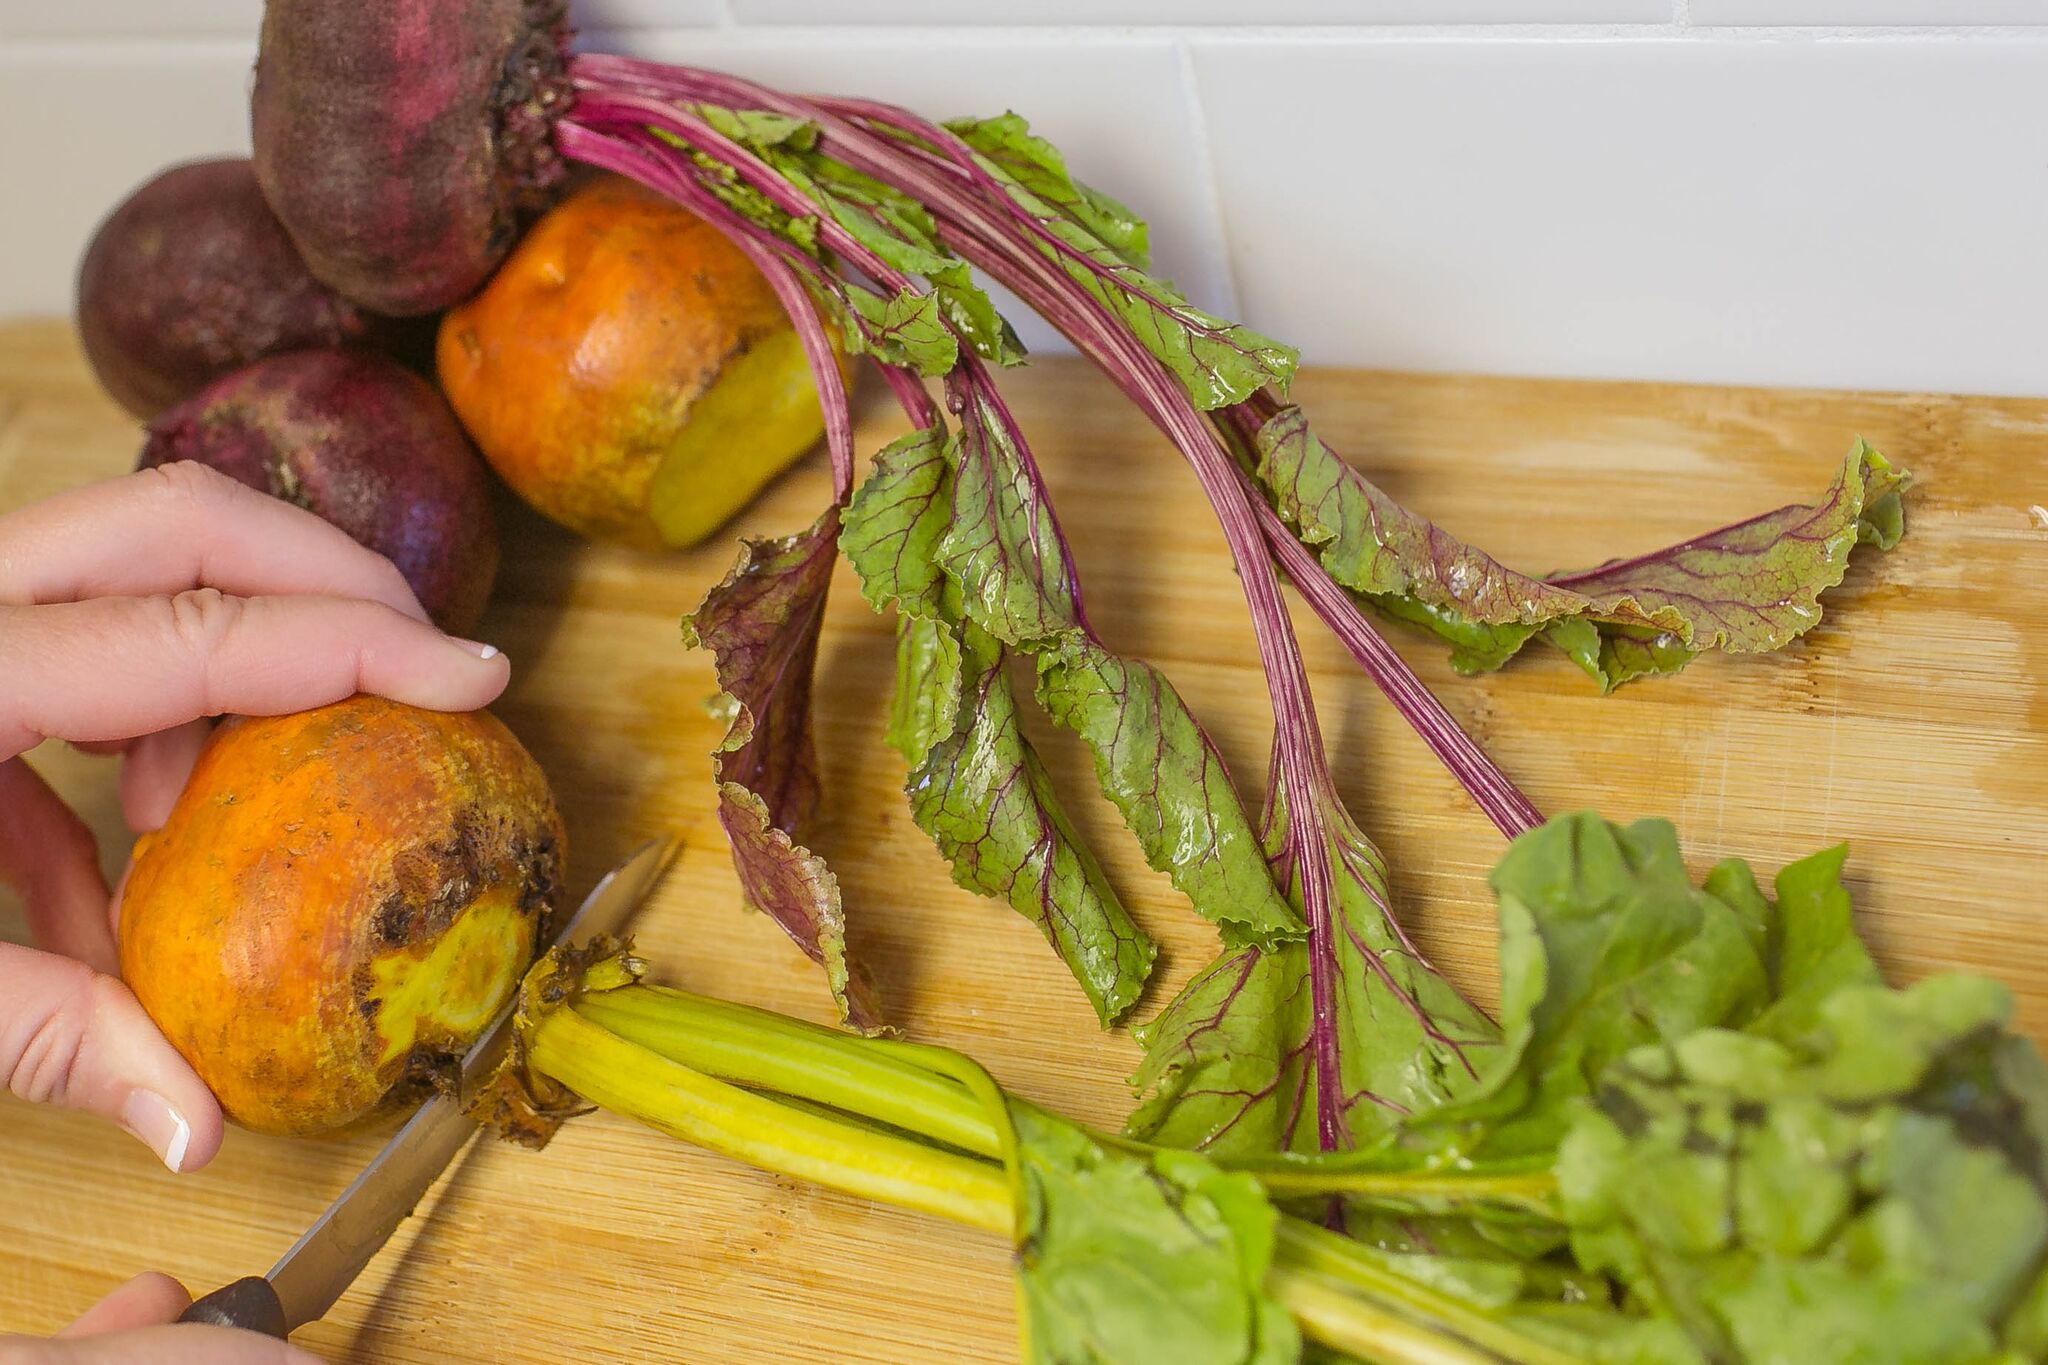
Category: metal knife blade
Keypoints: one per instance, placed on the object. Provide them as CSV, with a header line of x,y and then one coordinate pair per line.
x,y
321,1265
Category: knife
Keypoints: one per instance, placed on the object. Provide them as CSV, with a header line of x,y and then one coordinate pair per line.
x,y
321,1265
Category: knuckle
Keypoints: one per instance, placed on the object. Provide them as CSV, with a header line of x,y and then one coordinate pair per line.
x,y
201,618
192,483
42,1050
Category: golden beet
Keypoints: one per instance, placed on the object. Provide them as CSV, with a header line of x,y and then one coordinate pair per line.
x,y
340,902
629,372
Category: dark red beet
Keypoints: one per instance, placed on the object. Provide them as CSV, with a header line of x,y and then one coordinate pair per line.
x,y
401,143
363,443
192,277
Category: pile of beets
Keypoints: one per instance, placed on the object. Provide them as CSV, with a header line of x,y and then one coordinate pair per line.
x,y
274,317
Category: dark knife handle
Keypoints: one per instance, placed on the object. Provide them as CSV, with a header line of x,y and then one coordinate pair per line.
x,y
250,1304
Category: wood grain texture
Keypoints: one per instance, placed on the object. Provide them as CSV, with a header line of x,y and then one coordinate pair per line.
x,y
1913,722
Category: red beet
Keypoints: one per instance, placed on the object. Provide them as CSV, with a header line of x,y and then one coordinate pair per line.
x,y
402,143
191,277
363,443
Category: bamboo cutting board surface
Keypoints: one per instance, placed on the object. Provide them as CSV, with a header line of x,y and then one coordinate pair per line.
x,y
1913,722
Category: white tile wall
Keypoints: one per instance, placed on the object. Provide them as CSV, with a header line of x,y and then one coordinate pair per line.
x,y
1854,214
1756,191
1861,12
129,18
81,125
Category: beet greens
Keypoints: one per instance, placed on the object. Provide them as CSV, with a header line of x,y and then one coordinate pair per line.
x,y
1710,1133
1320,1026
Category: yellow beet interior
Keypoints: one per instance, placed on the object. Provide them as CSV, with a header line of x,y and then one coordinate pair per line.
x,y
749,426
462,981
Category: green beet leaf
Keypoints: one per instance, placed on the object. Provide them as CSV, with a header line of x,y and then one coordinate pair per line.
x,y
1153,759
983,796
1746,588
1098,243
954,533
1126,1260
1874,1191
1321,1045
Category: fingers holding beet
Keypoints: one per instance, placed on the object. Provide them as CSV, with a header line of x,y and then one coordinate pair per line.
x,y
401,144
364,444
191,277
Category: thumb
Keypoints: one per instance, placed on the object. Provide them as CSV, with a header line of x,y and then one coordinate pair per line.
x,y
72,1036
148,1300
129,1327
184,1345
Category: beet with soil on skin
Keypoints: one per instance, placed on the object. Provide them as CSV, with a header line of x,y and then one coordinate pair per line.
x,y
339,903
192,276
364,444
402,144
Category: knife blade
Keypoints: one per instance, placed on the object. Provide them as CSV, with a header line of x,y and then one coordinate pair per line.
x,y
321,1265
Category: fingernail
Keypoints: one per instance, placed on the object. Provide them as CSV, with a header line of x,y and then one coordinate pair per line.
x,y
481,650
163,1130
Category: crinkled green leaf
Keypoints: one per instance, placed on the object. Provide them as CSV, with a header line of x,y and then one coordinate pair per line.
x,y
761,624
900,231
1002,547
1746,588
1232,1064
1217,362
984,798
1605,945
1874,1190
904,328
1154,761
760,129
896,520
1812,949
1037,165
925,708
973,315
1152,758
757,208
1128,1260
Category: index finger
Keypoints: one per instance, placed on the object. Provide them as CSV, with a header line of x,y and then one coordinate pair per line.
x,y
162,531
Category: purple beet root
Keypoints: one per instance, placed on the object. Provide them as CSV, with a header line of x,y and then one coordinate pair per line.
x,y
403,143
363,443
192,277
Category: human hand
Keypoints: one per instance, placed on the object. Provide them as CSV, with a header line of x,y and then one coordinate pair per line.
x,y
131,1326
131,611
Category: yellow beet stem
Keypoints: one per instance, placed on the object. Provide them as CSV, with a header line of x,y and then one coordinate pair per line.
x,y
1530,1190
629,1079
1312,1266
645,1051
1327,1314
763,1050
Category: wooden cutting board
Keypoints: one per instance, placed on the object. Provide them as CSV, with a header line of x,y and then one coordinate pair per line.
x,y
1913,722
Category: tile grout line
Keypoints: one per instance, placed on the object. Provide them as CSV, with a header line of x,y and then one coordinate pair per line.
x,y
1218,242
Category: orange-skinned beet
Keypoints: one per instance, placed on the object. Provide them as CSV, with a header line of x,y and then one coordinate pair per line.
x,y
402,142
339,903
629,372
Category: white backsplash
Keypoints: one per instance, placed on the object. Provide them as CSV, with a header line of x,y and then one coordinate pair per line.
x,y
1808,192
